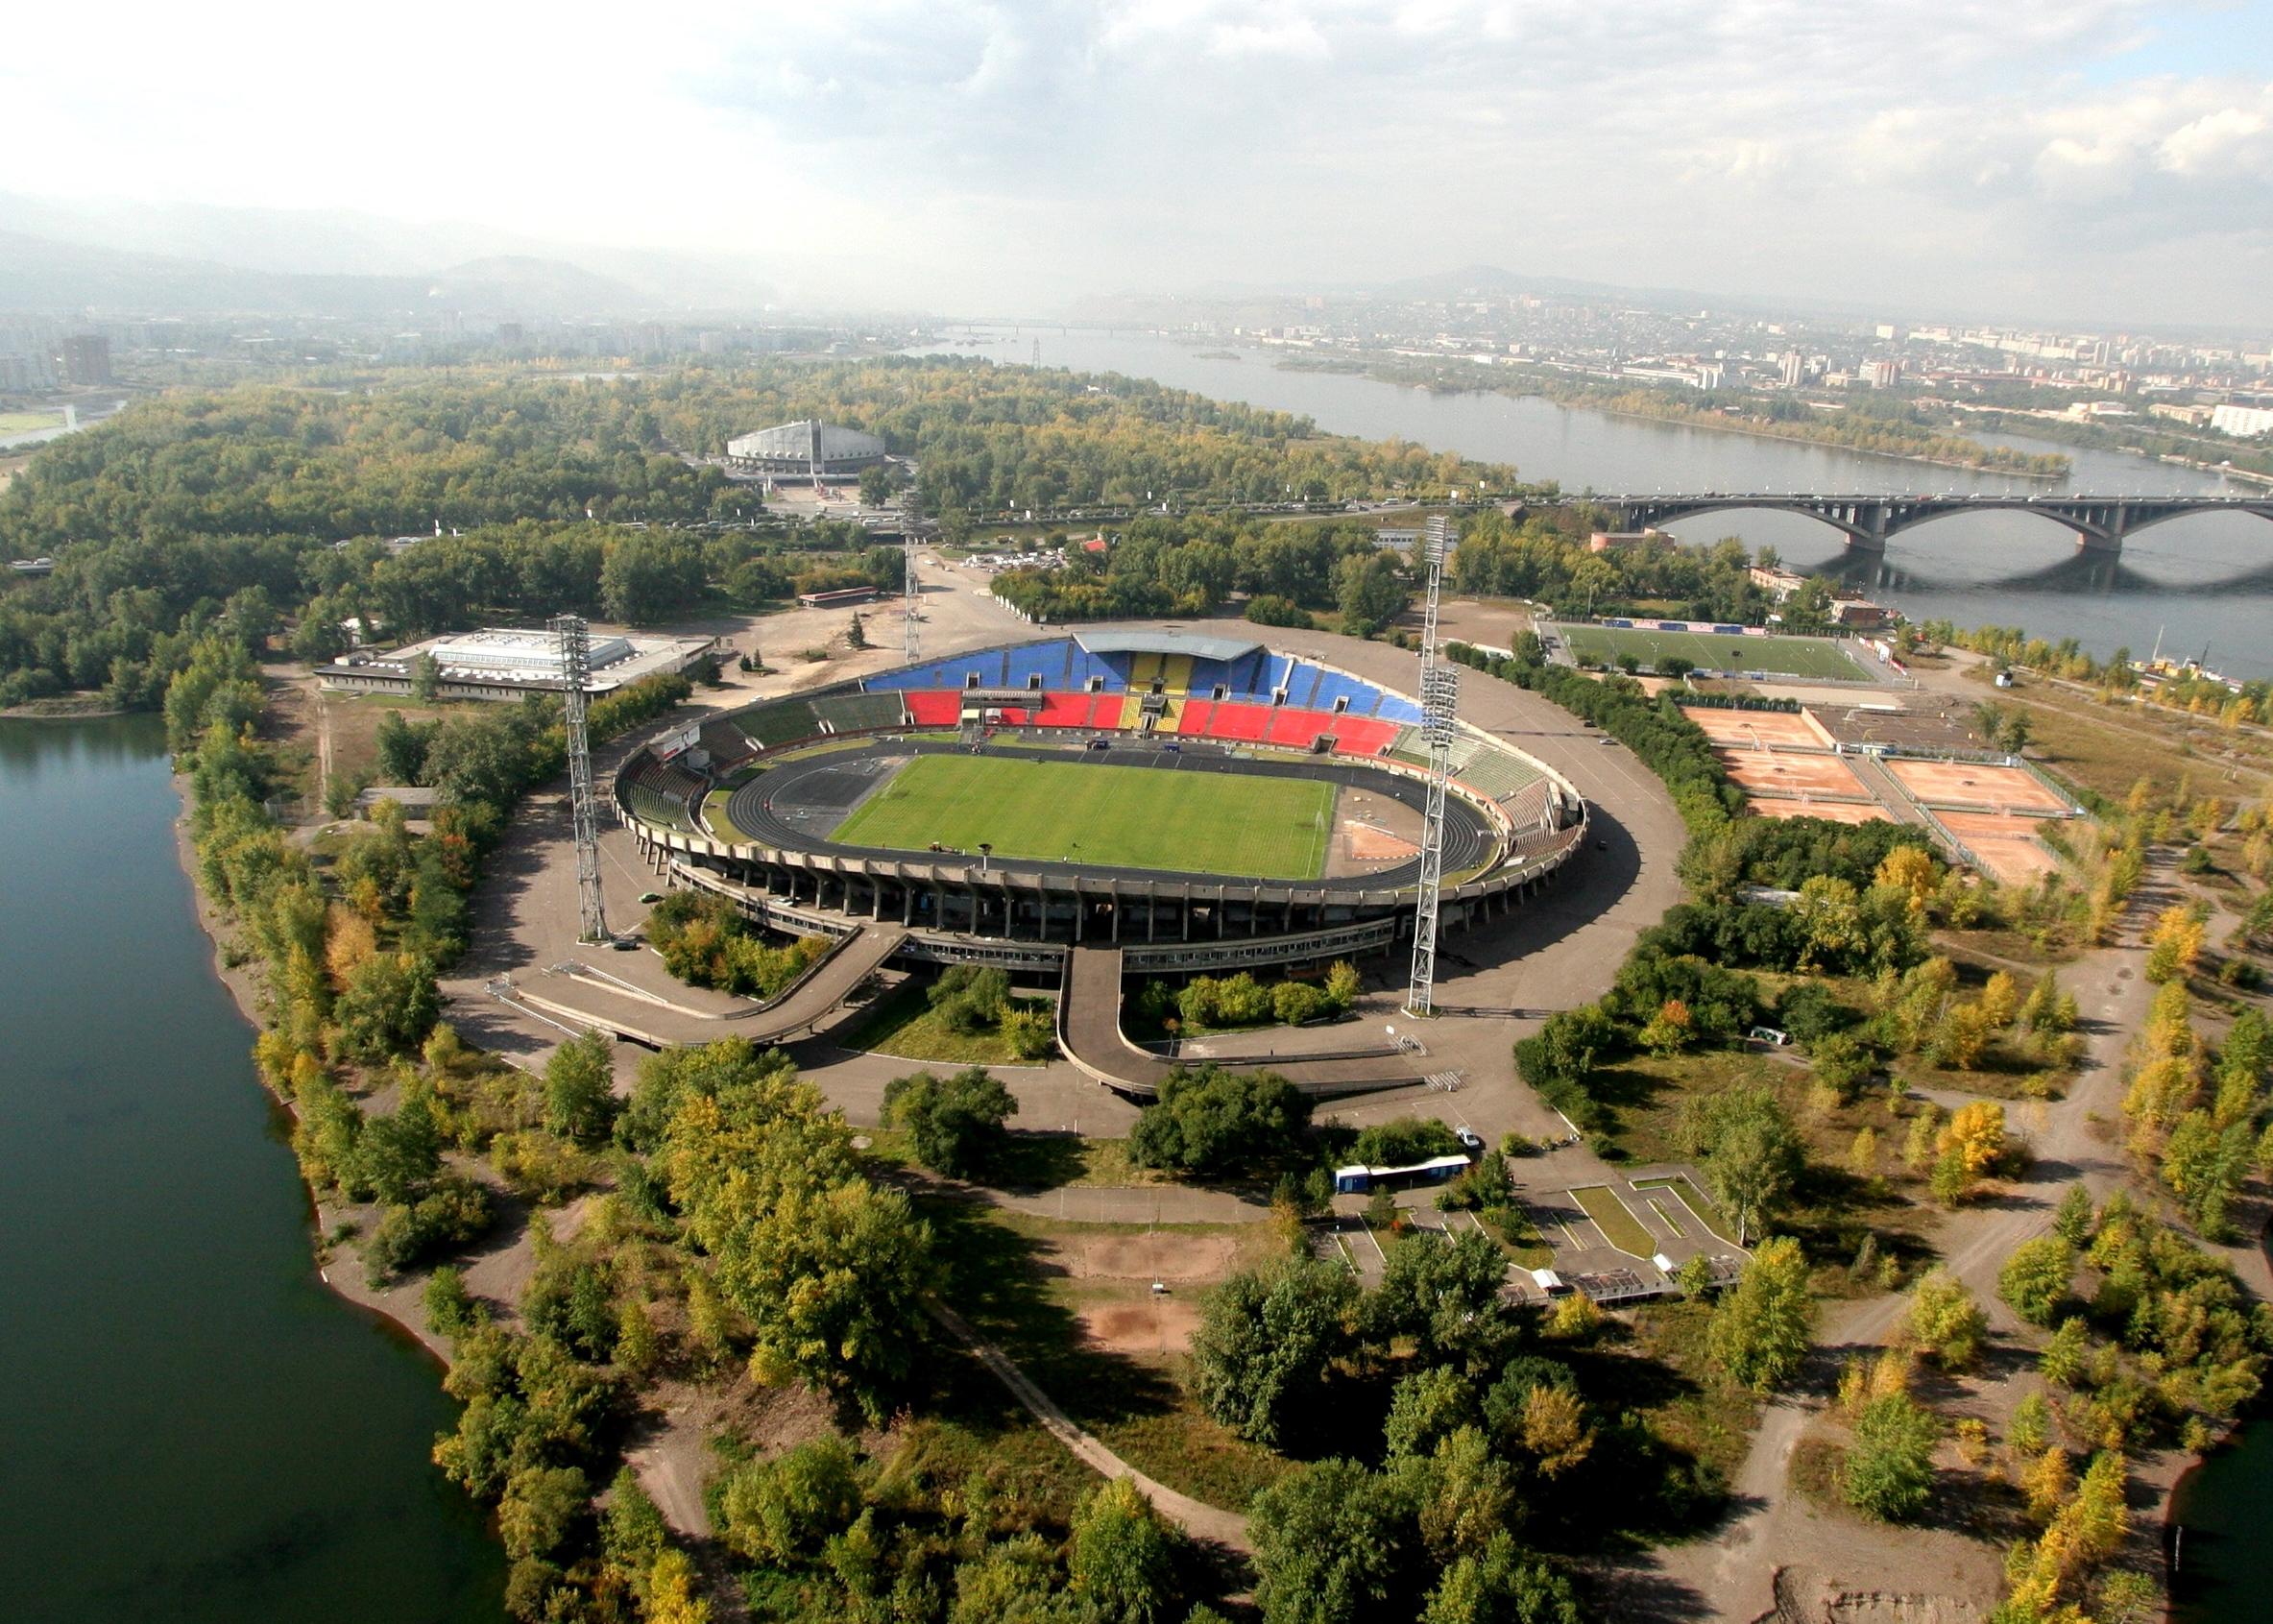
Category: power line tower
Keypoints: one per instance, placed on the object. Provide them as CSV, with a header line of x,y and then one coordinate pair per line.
x,y
1440,698
575,649
911,516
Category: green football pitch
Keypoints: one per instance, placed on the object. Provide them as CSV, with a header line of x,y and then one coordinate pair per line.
x,y
1779,656
1113,817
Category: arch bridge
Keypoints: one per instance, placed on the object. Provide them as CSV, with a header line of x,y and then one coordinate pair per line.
x,y
2099,522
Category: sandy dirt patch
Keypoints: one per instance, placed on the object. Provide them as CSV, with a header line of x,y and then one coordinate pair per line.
x,y
1155,1329
1167,1257
1362,843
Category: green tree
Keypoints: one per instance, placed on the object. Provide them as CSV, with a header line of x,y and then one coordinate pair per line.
x,y
579,1088
1265,1339
1122,1557
780,1511
1889,1470
1213,1121
2034,1280
1751,1152
956,1123
1946,1322
1501,1586
1330,1546
541,1507
425,679
390,1003
1761,1327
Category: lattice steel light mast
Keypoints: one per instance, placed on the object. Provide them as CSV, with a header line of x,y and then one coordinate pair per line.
x,y
575,647
912,513
1440,697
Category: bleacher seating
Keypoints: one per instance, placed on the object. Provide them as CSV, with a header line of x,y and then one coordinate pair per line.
x,y
858,712
935,710
779,722
1498,774
659,792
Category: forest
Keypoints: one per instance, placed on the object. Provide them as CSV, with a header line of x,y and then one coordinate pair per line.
x,y
270,509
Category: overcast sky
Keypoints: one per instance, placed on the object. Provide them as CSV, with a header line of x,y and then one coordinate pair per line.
x,y
2096,159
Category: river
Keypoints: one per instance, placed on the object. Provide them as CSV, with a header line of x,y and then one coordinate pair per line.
x,y
196,1430
2200,582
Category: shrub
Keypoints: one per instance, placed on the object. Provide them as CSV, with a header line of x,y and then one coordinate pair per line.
x,y
956,1125
1211,1122
2034,1280
1889,1471
1402,1141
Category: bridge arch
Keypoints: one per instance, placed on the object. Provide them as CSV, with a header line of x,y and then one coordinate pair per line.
x,y
1673,510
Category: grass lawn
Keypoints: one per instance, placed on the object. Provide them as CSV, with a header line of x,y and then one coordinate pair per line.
x,y
902,1023
29,423
1127,818
1611,1217
1779,656
1701,1207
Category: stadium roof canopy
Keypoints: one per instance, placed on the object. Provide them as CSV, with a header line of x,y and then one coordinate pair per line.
x,y
1142,642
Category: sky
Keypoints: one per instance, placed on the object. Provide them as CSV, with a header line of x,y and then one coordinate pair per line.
x,y
2103,160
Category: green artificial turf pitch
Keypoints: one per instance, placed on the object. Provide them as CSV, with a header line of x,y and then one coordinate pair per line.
x,y
1106,816
1785,656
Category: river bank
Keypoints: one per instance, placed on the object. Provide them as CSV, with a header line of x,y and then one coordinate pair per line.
x,y
1685,417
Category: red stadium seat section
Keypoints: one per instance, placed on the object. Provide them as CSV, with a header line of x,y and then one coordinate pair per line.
x,y
935,710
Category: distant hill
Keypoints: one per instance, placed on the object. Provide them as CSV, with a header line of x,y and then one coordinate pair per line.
x,y
40,273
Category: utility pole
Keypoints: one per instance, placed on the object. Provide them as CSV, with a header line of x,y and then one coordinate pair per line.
x,y
576,650
1440,698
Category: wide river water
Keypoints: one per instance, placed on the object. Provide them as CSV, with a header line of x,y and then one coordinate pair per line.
x,y
2200,582
194,1428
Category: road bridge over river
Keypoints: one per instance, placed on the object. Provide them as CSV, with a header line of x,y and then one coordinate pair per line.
x,y
2099,522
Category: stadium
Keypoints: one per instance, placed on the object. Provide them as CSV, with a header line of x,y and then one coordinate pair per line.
x,y
1108,802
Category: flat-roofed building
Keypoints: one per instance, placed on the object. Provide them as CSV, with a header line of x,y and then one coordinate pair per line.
x,y
506,663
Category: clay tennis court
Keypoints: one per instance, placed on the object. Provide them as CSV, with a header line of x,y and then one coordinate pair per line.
x,y
1738,730
1766,774
1976,783
2006,845
1830,812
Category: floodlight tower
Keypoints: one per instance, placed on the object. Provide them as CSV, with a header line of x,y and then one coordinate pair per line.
x,y
1440,697
574,636
912,513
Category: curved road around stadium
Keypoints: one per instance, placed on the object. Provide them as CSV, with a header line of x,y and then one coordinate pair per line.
x,y
770,811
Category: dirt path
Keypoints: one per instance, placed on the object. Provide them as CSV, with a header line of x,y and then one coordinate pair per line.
x,y
1735,1575
1211,1524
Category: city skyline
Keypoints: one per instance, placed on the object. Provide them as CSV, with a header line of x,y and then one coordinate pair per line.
x,y
2108,162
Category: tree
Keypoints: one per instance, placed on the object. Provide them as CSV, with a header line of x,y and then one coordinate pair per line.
x,y
1370,591
2048,1482
1975,1136
1890,1471
1329,1545
390,1003
1760,1329
1446,1298
1263,1341
1122,1557
956,1125
2073,1222
780,1511
539,1507
1211,1121
1945,1320
1426,1406
579,1088
1752,1155
2034,1280
425,678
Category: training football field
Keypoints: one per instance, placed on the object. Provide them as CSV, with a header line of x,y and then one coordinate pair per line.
x,y
1111,817
1782,656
